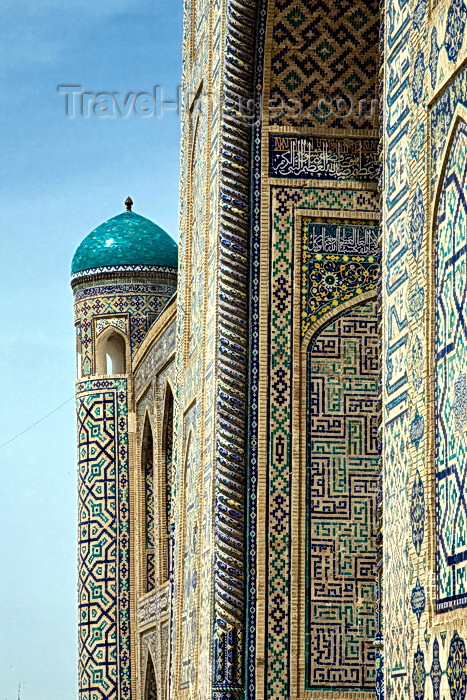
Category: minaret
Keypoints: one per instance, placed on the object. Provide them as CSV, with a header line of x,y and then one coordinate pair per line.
x,y
123,274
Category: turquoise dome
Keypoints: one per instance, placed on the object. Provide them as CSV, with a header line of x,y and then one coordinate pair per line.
x,y
127,239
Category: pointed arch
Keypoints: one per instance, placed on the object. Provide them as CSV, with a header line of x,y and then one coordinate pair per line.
x,y
147,468
340,477
449,438
111,352
150,691
167,482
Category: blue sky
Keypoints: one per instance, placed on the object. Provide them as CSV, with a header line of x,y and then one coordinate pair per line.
x,y
60,178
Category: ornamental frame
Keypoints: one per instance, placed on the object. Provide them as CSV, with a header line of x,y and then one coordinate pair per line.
x,y
300,348
452,618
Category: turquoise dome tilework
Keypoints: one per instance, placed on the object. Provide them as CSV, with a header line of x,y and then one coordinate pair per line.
x,y
126,239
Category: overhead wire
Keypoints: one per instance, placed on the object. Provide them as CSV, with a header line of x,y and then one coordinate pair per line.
x,y
37,422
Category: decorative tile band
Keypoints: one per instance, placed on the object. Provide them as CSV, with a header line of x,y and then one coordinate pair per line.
x,y
127,288
137,303
104,540
153,607
114,269
450,383
253,361
316,158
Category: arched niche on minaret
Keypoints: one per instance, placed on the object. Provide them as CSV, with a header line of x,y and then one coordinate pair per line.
x,y
111,353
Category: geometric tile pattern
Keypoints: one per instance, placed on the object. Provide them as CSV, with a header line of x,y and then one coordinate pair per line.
x,y
104,542
324,64
342,471
284,200
403,303
135,301
441,116
253,247
451,360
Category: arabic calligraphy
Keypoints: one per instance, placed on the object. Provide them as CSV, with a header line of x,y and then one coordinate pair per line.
x,y
311,157
343,238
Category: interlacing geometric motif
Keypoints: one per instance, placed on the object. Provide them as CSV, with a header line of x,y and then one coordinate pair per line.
x,y
450,363
324,63
104,540
342,476
283,202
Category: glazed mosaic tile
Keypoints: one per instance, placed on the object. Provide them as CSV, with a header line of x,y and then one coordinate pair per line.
x,y
284,201
339,262
104,543
306,157
280,231
450,389
322,55
126,240
150,525
190,553
136,302
342,474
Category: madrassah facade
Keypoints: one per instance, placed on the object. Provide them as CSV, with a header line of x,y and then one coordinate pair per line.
x,y
272,420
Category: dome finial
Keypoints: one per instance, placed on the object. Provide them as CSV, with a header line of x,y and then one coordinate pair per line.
x,y
128,203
